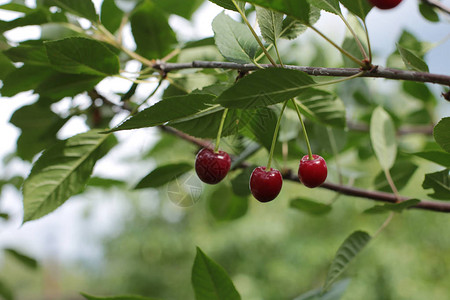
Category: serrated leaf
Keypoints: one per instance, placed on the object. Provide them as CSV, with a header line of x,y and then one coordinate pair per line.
x,y
441,133
336,291
345,254
322,107
359,8
130,297
151,31
227,4
440,183
111,16
24,259
401,173
28,54
210,281
169,109
5,291
292,27
389,207
270,23
438,157
412,61
226,206
331,6
24,79
79,55
234,40
62,171
163,175
82,8
309,206
299,9
265,87
382,136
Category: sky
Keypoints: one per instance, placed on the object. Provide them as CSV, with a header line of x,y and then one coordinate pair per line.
x,y
62,234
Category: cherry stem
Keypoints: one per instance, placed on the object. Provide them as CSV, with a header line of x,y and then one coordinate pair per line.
x,y
304,129
275,136
219,133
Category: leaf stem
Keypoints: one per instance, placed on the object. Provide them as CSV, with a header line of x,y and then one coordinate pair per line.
x,y
335,153
308,145
219,132
368,40
387,173
146,99
384,225
275,136
360,46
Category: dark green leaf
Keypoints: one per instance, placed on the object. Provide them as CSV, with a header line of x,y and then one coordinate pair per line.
x,y
419,91
79,55
331,6
111,16
169,109
299,9
259,125
382,135
441,133
62,171
163,175
16,7
82,8
234,40
210,281
265,87
309,206
36,17
153,35
105,183
439,157
239,184
336,291
24,79
130,297
358,7
412,60
60,85
184,9
28,54
427,11
227,4
24,259
395,207
440,183
4,216
345,254
5,291
351,47
226,206
401,173
6,66
270,23
292,28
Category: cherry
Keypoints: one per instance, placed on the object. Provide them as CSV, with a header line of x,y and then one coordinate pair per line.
x,y
265,186
313,172
212,167
385,4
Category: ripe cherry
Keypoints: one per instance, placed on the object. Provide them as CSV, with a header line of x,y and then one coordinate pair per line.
x,y
212,167
385,4
265,186
313,172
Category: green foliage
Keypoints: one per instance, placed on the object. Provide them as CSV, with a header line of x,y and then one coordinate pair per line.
x,y
401,173
24,259
395,207
440,183
412,61
82,8
382,135
225,205
89,297
360,8
442,134
163,175
310,207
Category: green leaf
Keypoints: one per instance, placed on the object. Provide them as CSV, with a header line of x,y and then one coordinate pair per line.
x,y
239,184
130,297
62,171
184,9
169,109
4,216
270,23
111,16
292,27
153,35
79,55
345,254
412,61
234,40
224,205
401,173
418,90
351,47
298,9
210,281
28,54
82,8
438,157
382,135
6,66
322,107
36,17
441,133
395,207
16,7
265,87
359,8
24,259
5,291
336,292
427,11
105,183
309,206
24,79
227,4
331,6
163,175
440,183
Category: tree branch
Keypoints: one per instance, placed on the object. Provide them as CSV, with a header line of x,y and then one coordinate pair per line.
x,y
346,190
437,5
377,72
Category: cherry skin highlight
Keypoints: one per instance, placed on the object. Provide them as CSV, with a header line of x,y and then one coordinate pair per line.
x,y
212,167
385,4
312,173
265,186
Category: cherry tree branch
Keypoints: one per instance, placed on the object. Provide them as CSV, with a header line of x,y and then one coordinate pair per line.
x,y
346,190
437,5
376,72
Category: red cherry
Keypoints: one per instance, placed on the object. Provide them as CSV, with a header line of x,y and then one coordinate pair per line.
x,y
385,4
313,172
212,167
265,186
